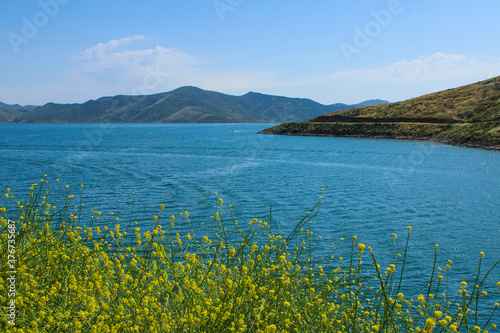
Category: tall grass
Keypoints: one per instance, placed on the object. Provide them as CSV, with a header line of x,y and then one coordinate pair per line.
x,y
96,274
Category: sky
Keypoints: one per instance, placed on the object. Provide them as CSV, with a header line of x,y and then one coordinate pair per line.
x,y
331,51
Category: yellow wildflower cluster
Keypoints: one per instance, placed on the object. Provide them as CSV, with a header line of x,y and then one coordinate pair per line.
x,y
94,277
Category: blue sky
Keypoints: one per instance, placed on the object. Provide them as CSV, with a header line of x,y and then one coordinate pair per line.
x,y
70,51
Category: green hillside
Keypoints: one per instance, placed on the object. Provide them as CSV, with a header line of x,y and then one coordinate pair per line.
x,y
468,115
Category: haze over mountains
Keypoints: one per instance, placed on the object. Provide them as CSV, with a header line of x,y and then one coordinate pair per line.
x,y
182,105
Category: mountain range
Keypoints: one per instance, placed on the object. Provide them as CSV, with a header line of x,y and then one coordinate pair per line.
x,y
467,115
183,105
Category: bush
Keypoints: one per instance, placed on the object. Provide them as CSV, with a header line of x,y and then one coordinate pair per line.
x,y
95,275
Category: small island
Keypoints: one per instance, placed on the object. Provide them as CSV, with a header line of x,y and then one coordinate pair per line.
x,y
464,116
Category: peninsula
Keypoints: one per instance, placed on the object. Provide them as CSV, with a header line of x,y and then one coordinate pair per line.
x,y
465,116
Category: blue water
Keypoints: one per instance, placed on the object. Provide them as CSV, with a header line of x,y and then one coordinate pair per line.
x,y
372,188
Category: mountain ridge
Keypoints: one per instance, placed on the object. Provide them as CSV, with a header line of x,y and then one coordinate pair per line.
x,y
186,104
17,106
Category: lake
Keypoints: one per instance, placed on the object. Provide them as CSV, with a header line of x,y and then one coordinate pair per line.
x,y
372,187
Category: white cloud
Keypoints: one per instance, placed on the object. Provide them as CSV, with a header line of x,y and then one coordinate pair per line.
x,y
438,66
104,69
102,51
421,68
124,70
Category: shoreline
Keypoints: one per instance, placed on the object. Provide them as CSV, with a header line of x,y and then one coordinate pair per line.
x,y
362,136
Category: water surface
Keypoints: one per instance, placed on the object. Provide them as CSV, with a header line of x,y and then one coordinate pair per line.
x,y
372,187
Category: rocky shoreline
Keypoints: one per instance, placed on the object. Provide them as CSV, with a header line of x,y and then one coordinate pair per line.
x,y
277,130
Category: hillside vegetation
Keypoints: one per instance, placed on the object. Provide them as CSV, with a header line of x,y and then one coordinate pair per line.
x,y
468,115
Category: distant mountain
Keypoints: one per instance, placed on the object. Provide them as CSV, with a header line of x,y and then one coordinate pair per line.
x,y
183,105
18,107
468,115
10,112
368,103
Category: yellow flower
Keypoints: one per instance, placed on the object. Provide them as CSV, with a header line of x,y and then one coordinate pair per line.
x,y
361,247
270,328
429,324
